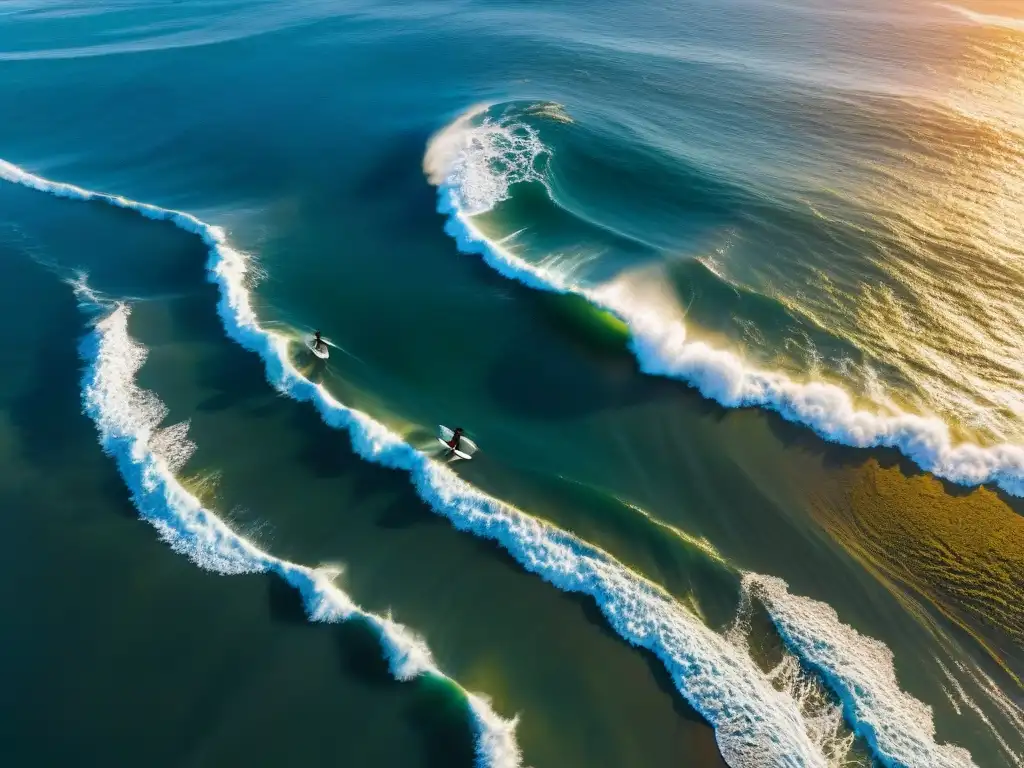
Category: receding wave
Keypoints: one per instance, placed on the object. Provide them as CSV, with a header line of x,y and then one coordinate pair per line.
x,y
461,160
758,721
128,419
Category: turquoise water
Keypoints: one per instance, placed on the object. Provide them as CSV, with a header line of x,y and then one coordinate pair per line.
x,y
728,294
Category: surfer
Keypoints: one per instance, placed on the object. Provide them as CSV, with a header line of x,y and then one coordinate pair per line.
x,y
456,444
456,439
318,343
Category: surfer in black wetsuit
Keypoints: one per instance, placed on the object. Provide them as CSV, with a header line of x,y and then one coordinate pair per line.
x,y
456,439
317,342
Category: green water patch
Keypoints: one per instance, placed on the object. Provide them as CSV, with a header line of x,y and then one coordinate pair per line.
x,y
597,328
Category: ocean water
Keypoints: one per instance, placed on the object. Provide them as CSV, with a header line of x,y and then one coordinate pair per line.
x,y
729,294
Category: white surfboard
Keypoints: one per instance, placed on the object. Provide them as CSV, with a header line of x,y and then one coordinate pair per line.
x,y
466,446
320,352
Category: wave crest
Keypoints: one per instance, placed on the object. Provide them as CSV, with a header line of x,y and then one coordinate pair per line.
x,y
756,724
127,418
659,340
485,156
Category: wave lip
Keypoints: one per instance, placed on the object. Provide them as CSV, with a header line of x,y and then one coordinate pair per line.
x,y
755,724
660,344
128,419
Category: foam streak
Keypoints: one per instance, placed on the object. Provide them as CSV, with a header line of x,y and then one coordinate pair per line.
x,y
660,344
898,728
986,19
128,417
755,725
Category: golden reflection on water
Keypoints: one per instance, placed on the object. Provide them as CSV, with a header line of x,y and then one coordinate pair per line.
x,y
963,553
949,203
947,206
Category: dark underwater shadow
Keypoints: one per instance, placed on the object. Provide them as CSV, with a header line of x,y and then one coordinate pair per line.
x,y
661,678
407,511
659,674
48,411
385,494
593,615
53,432
394,177
837,456
236,376
534,381
566,376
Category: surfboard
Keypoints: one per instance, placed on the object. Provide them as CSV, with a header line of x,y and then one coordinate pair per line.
x,y
322,352
466,446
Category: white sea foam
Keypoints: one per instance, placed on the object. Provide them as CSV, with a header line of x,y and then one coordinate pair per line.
x,y
128,420
898,727
755,724
486,156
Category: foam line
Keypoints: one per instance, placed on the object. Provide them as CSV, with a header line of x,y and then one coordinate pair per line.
x,y
755,725
896,726
467,186
970,703
128,418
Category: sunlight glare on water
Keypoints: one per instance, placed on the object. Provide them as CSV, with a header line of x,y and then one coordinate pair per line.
x,y
950,210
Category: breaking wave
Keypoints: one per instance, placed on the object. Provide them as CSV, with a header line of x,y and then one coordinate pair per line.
x,y
474,161
758,722
128,419
897,727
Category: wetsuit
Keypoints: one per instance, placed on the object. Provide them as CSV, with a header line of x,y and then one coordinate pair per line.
x,y
456,438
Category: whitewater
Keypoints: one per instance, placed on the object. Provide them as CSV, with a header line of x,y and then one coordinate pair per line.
x,y
147,457
756,725
475,160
